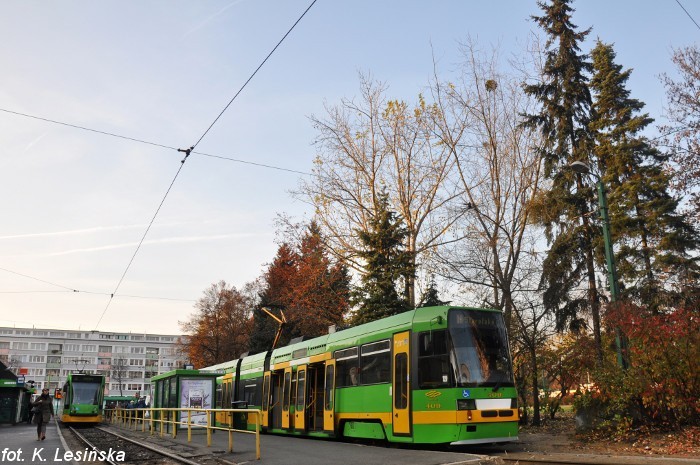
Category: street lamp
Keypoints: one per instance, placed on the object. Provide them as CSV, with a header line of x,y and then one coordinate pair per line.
x,y
582,168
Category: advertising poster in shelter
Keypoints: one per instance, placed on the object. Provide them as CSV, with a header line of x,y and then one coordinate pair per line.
x,y
195,393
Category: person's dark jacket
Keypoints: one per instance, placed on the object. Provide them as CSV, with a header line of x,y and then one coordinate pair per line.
x,y
45,404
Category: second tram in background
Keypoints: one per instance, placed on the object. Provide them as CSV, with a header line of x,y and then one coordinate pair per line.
x,y
82,398
439,375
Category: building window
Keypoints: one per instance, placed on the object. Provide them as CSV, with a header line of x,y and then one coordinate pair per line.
x,y
57,334
41,333
52,359
136,350
136,362
39,359
89,348
20,345
105,349
22,332
37,346
55,348
72,347
4,345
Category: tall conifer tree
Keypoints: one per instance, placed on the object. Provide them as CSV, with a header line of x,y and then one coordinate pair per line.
x,y
653,241
563,209
387,264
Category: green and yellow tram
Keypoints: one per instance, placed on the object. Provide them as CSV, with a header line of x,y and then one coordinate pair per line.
x,y
81,398
436,375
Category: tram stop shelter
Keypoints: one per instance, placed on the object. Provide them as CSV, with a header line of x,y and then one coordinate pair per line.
x,y
14,397
184,389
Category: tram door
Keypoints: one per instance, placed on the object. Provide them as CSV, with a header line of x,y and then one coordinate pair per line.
x,y
329,398
300,407
266,401
286,395
400,386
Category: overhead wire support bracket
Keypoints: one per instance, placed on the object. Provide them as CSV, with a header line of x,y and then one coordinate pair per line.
x,y
186,152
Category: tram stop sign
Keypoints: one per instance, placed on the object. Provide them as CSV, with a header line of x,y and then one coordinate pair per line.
x,y
20,380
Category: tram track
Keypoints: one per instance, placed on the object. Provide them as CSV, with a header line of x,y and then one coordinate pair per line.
x,y
105,446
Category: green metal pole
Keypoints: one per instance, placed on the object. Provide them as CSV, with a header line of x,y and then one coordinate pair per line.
x,y
612,271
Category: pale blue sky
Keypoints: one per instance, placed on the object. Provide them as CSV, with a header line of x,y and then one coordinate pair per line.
x,y
76,203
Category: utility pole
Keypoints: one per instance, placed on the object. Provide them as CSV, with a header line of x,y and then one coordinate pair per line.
x,y
620,342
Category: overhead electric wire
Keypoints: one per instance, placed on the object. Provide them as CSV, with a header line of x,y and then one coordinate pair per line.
x,y
187,154
78,291
87,129
142,141
143,238
254,73
186,151
40,280
686,12
254,163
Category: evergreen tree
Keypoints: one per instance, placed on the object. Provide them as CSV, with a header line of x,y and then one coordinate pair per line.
x,y
652,239
563,208
387,263
431,298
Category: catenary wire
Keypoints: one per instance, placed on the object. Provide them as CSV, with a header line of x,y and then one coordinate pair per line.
x,y
254,163
254,73
686,12
143,238
156,144
87,129
71,290
187,154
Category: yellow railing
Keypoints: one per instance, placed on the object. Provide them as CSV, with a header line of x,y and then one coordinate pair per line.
x,y
134,418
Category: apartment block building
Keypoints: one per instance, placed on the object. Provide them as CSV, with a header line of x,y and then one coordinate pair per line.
x,y
46,356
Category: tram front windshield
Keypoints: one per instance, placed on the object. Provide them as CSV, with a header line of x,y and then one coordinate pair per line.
x,y
85,393
479,349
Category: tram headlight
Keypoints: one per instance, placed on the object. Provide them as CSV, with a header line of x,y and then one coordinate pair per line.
x,y
466,404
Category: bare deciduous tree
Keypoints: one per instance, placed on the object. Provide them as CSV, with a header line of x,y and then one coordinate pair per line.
x,y
371,145
498,165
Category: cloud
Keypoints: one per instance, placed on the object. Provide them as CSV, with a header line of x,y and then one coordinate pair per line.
x,y
169,240
204,23
74,231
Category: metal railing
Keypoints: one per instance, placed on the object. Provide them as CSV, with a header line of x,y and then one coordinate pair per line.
x,y
167,418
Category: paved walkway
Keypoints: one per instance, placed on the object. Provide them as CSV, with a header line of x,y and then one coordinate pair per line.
x,y
286,450
18,444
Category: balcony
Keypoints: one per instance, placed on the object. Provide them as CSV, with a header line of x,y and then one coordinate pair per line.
x,y
53,365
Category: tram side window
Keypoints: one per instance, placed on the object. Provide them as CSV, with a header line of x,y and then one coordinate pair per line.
x,y
346,365
433,360
375,364
250,391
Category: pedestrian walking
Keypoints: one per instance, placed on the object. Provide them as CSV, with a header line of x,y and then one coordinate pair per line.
x,y
44,415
